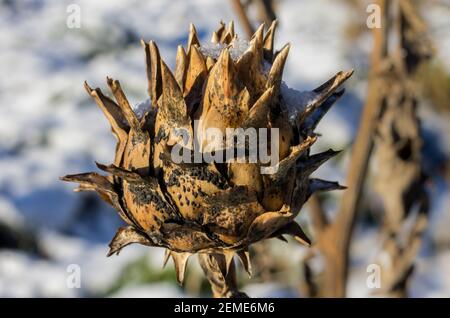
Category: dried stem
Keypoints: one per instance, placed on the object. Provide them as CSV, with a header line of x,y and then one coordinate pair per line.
x,y
222,286
334,237
400,179
242,15
267,12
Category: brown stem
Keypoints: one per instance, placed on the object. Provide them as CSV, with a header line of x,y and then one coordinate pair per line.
x,y
400,179
213,266
317,214
242,15
267,14
335,239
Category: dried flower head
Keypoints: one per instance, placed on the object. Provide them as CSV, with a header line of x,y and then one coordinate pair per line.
x,y
215,209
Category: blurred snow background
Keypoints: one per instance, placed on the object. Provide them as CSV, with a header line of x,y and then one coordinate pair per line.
x,y
50,127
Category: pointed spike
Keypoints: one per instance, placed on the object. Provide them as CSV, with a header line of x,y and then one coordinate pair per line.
x,y
166,257
169,84
172,103
256,45
258,36
337,80
115,117
88,179
310,164
126,236
124,104
120,172
87,87
297,151
224,260
282,238
278,184
171,116
228,259
225,62
110,108
276,71
215,38
219,32
155,85
296,231
196,75
326,96
250,69
285,165
316,185
180,66
231,28
270,38
244,257
258,115
217,35
193,38
226,39
267,223
180,260
228,35
148,64
196,68
318,111
222,87
92,181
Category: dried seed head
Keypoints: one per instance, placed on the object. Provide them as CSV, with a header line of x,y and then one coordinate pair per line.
x,y
216,209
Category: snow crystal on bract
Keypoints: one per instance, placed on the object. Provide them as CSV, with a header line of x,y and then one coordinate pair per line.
x,y
212,49
142,108
296,101
237,48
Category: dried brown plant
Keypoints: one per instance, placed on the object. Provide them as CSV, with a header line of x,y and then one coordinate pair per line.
x,y
216,210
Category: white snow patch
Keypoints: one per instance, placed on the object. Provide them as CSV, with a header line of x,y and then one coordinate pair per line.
x,y
9,214
212,50
237,48
296,101
23,276
142,108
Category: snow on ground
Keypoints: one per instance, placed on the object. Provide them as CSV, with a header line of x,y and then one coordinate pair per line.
x,y
50,127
